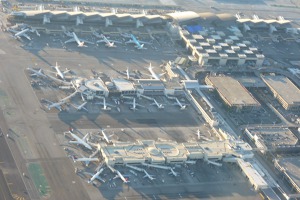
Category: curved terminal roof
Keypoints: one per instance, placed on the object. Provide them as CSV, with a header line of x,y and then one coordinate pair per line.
x,y
85,15
179,17
185,16
95,85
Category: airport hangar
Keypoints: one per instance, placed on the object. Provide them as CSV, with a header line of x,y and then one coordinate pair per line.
x,y
232,92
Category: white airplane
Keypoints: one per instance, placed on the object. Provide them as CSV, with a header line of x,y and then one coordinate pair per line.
x,y
36,72
54,105
213,163
134,105
173,172
148,176
81,106
96,176
159,105
67,33
153,74
86,160
198,134
105,107
178,103
82,141
68,97
59,73
36,32
79,41
138,44
127,74
19,34
133,172
108,43
119,175
106,138
134,167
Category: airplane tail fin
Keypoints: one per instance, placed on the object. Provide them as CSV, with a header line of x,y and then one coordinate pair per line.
x,y
81,44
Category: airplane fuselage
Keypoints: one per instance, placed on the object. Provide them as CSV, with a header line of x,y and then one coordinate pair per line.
x,y
138,44
80,141
59,73
122,177
96,175
153,74
22,32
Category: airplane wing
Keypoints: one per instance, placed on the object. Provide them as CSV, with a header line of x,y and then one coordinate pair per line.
x,y
27,36
114,41
130,42
74,142
139,105
85,137
67,71
147,74
76,38
68,97
160,75
70,40
97,177
12,30
86,41
143,42
84,109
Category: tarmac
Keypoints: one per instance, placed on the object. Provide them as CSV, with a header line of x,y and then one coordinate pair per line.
x,y
34,132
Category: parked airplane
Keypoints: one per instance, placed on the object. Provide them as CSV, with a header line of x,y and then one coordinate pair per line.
x,y
105,105
119,175
82,141
182,106
213,163
81,106
173,172
106,138
54,105
198,134
79,41
133,172
86,160
148,176
67,33
59,73
96,176
134,105
68,97
159,105
128,75
19,34
108,43
138,44
153,74
36,72
134,167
